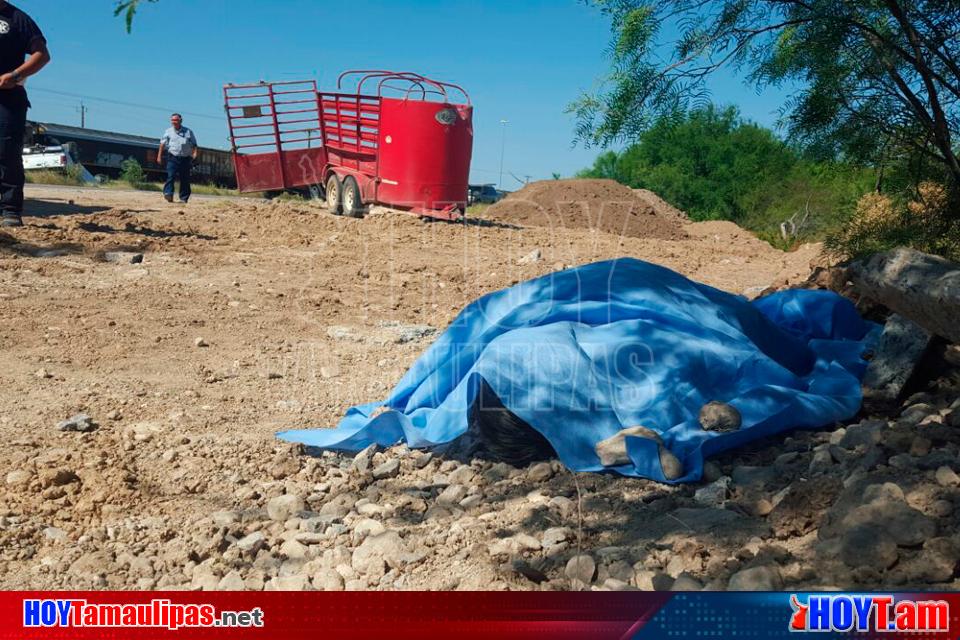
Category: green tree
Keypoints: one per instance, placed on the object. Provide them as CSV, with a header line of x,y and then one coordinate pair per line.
x,y
874,79
709,162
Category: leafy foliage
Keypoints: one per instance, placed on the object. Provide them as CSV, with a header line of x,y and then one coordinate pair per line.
x,y
704,162
877,81
881,222
714,165
128,9
132,172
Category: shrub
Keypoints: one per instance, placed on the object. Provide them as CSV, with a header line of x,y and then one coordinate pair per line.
x,y
131,171
881,222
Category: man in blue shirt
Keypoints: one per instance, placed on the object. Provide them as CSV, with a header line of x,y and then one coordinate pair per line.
x,y
180,145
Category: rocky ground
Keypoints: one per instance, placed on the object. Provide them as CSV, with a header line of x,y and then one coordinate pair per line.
x,y
190,335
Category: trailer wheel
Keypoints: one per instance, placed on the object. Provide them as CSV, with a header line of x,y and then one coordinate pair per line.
x,y
333,194
352,204
316,192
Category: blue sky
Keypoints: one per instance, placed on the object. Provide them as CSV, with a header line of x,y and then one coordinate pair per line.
x,y
521,60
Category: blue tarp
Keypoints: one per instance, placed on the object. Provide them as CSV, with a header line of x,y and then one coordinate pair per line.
x,y
583,353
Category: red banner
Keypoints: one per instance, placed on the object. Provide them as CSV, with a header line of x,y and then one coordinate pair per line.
x,y
291,616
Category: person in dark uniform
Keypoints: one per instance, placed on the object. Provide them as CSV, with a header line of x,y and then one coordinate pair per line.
x,y
20,38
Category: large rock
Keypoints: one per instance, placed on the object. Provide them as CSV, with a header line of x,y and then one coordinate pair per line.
x,y
233,581
252,543
125,257
452,495
327,579
581,568
18,477
879,505
899,350
282,508
388,469
540,472
937,562
919,286
363,460
686,582
863,434
868,546
763,578
713,494
80,422
556,536
755,477
377,553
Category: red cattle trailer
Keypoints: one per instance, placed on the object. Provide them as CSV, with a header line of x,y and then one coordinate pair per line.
x,y
397,139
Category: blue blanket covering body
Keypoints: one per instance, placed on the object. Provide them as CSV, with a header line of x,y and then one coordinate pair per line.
x,y
584,353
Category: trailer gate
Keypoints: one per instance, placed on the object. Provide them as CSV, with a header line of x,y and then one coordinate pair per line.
x,y
276,133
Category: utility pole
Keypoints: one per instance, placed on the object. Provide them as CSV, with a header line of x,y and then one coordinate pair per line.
x,y
503,149
83,114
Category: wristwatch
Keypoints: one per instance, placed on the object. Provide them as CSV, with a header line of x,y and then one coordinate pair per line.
x,y
16,76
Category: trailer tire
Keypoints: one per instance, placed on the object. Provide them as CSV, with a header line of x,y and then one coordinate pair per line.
x,y
352,203
315,192
333,194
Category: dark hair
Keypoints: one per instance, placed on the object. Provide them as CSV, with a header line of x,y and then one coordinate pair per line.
x,y
504,435
176,115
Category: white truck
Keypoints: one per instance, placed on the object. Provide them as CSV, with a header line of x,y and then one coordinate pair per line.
x,y
55,158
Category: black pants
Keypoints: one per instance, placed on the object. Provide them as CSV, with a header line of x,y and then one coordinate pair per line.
x,y
13,123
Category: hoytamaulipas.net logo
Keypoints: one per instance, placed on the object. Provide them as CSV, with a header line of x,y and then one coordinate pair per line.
x,y
156,613
878,613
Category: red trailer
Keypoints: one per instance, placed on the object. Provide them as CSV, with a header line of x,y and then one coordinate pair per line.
x,y
397,138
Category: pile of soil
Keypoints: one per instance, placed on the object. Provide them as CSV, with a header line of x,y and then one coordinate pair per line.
x,y
602,205
661,206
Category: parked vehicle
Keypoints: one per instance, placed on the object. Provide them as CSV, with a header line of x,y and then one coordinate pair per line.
x,y
54,158
483,194
405,143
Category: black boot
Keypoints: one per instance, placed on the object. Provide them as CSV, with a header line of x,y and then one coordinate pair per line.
x,y
11,220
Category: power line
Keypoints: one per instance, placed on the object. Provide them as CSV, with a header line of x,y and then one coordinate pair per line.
x,y
125,104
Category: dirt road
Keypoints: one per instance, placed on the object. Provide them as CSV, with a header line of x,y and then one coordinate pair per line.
x,y
247,317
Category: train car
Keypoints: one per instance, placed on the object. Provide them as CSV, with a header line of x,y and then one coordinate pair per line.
x,y
102,152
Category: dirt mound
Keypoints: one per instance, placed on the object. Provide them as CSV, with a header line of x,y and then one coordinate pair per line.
x,y
602,205
661,206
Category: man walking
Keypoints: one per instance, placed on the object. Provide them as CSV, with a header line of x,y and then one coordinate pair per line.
x,y
20,38
181,147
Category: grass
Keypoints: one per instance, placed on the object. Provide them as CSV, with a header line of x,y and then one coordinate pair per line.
x,y
61,178
44,176
124,185
477,210
198,189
